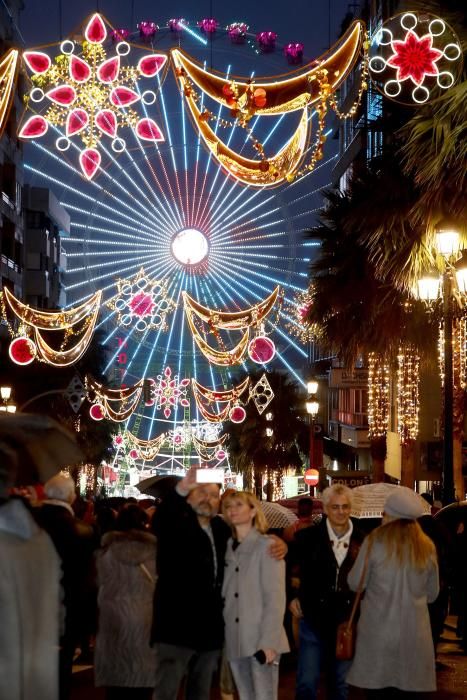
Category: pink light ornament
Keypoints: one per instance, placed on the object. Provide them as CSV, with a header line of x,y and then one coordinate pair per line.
x,y
261,349
97,412
22,350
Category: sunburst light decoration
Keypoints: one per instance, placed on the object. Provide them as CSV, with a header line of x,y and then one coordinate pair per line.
x,y
414,57
142,302
168,208
86,94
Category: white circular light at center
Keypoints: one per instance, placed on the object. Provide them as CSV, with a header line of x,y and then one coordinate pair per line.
x,y
190,246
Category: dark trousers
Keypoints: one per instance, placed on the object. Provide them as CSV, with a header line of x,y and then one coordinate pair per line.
x,y
173,663
315,654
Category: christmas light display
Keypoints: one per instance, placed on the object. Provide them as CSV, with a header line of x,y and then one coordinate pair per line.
x,y
170,391
210,450
408,389
75,323
247,98
142,302
260,349
22,350
297,312
262,394
146,449
230,397
8,74
415,57
87,94
113,404
378,396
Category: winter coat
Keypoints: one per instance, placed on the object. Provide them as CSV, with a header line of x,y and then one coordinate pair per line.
x,y
188,603
29,607
394,642
324,595
254,598
126,576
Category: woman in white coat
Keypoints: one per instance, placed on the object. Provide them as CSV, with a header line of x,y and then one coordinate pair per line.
x,y
394,655
254,601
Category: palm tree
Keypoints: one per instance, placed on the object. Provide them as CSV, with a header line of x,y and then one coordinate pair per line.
x,y
355,310
253,452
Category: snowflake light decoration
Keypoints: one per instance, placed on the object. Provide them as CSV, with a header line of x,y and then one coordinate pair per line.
x,y
415,57
142,302
170,392
87,94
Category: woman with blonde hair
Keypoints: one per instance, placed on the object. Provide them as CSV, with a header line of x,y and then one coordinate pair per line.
x,y
394,654
254,600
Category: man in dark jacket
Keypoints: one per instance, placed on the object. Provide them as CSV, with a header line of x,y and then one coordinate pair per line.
x,y
325,554
188,627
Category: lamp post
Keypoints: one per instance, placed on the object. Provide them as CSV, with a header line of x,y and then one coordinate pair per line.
x,y
5,394
430,287
312,408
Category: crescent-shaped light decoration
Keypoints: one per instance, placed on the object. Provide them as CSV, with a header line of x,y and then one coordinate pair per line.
x,y
123,413
53,320
210,444
213,417
224,358
122,394
257,173
228,320
63,358
212,395
8,75
148,449
284,93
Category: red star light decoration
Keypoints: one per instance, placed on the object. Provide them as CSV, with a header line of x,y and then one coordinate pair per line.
x,y
415,57
85,93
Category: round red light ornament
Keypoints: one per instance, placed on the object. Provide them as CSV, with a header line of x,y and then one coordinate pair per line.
x,y
261,349
237,414
97,411
22,350
134,454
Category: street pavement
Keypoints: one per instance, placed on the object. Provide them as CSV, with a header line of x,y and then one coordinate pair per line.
x,y
452,675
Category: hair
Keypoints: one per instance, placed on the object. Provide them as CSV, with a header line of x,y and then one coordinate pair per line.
x,y
259,520
131,517
404,540
60,487
305,506
336,490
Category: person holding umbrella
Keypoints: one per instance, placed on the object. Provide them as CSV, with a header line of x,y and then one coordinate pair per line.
x,y
394,651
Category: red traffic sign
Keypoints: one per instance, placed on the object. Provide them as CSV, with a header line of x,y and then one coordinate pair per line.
x,y
311,477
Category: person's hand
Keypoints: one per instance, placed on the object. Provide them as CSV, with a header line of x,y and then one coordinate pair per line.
x,y
270,655
278,548
188,483
295,608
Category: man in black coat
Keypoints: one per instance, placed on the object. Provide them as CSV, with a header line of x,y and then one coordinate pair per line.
x,y
188,626
325,553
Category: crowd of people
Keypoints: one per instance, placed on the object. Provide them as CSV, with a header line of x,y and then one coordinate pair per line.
x,y
168,598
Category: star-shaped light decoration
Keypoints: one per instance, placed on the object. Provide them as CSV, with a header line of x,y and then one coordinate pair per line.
x,y
86,93
142,302
170,392
415,57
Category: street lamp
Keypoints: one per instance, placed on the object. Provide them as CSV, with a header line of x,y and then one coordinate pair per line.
x,y
5,394
312,408
430,287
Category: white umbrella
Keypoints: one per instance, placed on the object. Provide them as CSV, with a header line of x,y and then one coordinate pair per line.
x,y
368,500
277,516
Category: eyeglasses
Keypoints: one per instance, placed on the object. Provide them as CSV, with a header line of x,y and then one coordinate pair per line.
x,y
335,506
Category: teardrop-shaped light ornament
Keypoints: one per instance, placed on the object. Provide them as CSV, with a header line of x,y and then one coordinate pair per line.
x,y
37,61
106,121
123,96
149,66
95,32
89,160
76,121
107,72
148,130
80,71
35,127
63,95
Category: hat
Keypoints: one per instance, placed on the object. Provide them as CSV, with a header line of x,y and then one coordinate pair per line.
x,y
404,503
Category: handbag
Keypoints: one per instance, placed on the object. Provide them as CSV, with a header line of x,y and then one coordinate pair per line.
x,y
347,631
